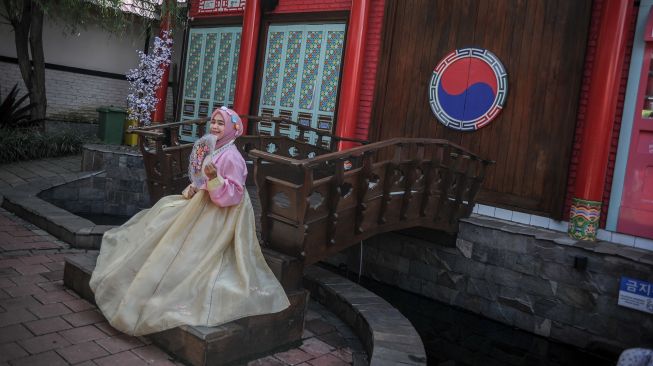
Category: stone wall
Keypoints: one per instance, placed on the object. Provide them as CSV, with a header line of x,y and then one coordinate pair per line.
x,y
119,188
522,276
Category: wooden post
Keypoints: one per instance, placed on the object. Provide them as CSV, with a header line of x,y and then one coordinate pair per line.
x,y
159,114
352,72
247,58
603,93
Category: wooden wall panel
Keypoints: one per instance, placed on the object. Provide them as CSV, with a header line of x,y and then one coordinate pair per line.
x,y
541,44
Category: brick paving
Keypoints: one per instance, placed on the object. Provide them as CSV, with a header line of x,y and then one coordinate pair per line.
x,y
44,323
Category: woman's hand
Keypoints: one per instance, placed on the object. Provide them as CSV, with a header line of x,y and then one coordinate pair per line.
x,y
189,192
210,171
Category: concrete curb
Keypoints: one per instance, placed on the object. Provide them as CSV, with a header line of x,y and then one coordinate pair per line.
x,y
24,202
388,337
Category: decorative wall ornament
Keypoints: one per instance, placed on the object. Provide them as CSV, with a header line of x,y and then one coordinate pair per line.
x,y
468,89
584,219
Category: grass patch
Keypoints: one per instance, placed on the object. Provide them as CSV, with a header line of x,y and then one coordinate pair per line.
x,y
27,144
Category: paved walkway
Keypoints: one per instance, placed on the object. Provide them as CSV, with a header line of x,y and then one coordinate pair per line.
x,y
44,323
15,174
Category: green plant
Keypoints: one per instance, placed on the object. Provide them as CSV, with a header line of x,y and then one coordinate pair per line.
x,y
31,144
12,113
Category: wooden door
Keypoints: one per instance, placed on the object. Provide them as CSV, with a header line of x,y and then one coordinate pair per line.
x,y
541,43
636,211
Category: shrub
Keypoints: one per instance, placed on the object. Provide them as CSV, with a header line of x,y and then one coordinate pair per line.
x,y
12,113
31,144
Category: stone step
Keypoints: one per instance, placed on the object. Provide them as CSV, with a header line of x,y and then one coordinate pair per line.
x,y
223,344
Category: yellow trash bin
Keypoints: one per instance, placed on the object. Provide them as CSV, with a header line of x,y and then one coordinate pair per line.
x,y
130,139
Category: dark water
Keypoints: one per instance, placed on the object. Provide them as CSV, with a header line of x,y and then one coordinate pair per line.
x,y
456,337
104,219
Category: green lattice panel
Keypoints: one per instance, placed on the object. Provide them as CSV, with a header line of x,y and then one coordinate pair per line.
x,y
301,75
211,69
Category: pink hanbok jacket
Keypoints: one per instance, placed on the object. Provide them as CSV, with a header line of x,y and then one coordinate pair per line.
x,y
228,187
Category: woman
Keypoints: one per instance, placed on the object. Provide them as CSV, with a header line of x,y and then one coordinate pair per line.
x,y
191,259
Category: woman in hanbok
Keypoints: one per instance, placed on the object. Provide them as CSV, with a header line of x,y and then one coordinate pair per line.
x,y
193,258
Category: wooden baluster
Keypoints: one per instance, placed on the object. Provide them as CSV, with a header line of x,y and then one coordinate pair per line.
x,y
476,182
363,186
142,144
461,175
158,143
471,183
388,182
445,171
264,200
201,128
411,177
463,182
334,199
432,164
304,194
453,164
174,136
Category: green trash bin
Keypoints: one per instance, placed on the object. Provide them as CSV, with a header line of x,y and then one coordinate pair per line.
x,y
111,124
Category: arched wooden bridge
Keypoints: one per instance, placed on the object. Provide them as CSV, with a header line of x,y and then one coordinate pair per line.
x,y
315,202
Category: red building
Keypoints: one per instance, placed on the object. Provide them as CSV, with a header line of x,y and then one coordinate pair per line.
x,y
575,133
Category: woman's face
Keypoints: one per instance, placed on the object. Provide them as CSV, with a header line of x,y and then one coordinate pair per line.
x,y
217,126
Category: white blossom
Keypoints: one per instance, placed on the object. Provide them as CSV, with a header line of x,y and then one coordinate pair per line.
x,y
146,79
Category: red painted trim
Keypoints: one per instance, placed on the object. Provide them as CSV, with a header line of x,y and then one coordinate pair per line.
x,y
604,86
306,6
368,84
159,114
247,58
352,72
648,31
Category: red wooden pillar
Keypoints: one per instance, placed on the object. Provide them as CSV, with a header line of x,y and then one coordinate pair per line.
x,y
604,89
247,57
159,114
352,72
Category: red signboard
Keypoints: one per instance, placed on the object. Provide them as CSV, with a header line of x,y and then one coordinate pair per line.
x,y
204,8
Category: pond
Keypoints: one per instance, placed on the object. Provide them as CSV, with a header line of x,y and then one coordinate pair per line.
x,y
456,337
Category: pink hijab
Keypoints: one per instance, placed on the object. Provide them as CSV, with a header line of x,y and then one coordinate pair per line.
x,y
233,125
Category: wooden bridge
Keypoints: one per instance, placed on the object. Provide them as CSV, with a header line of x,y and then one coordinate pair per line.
x,y
314,207
314,203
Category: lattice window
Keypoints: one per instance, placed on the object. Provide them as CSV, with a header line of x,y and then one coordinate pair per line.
x,y
210,78
300,76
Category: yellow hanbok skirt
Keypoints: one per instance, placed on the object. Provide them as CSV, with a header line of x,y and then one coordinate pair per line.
x,y
184,262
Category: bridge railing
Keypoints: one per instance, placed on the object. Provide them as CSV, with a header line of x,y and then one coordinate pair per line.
x,y
166,158
314,207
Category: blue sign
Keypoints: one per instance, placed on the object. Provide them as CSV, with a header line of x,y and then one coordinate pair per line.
x,y
636,294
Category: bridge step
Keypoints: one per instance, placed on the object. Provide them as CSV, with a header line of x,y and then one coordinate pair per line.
x,y
220,345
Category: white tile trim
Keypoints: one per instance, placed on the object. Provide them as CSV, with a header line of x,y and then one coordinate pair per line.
x,y
520,217
644,243
540,221
561,226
